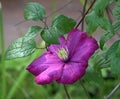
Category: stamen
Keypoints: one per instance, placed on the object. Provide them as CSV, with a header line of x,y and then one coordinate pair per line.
x,y
63,53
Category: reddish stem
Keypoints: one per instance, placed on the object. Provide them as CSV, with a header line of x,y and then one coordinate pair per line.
x,y
85,14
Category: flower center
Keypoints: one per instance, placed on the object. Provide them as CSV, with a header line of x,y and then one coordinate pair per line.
x,y
63,54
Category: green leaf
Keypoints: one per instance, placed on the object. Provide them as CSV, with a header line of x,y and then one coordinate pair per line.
x,y
94,77
115,65
114,54
116,10
32,32
91,24
108,34
20,48
116,13
111,51
34,11
100,6
114,28
105,37
96,18
99,61
63,23
51,35
22,62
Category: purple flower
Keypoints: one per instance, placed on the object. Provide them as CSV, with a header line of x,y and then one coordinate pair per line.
x,y
66,62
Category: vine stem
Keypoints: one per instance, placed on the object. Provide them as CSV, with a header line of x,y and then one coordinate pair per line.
x,y
108,14
113,91
53,12
3,93
68,96
84,89
85,14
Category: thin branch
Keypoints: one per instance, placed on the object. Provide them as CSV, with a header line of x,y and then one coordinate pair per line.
x,y
85,14
84,7
108,14
68,96
77,19
50,13
86,92
60,8
113,91
40,48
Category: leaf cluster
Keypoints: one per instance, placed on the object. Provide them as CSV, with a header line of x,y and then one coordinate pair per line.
x,y
26,45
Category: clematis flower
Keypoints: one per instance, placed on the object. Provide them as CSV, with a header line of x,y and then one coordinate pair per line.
x,y
65,62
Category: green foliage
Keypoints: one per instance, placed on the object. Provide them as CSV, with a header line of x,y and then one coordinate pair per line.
x,y
20,63
34,11
96,18
116,25
105,37
51,35
25,45
94,77
116,10
60,26
116,13
114,54
99,60
96,84
20,48
63,23
91,24
32,32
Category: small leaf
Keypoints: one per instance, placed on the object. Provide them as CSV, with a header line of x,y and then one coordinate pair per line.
x,y
99,61
51,35
105,37
114,54
115,65
100,6
32,32
34,11
63,23
96,18
113,48
91,24
23,61
116,13
20,48
114,28
116,10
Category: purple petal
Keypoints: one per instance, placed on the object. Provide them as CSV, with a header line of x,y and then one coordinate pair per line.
x,y
84,51
81,46
42,63
62,40
54,72
72,72
54,47
74,39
